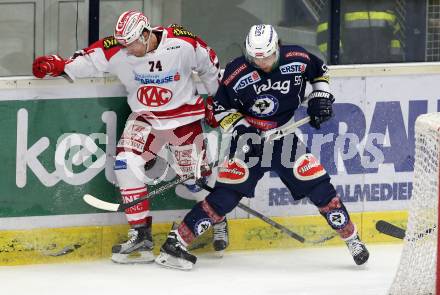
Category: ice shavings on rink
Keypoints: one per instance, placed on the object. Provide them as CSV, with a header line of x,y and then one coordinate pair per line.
x,y
298,271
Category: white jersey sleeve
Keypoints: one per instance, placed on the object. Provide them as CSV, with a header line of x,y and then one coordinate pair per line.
x,y
94,60
208,67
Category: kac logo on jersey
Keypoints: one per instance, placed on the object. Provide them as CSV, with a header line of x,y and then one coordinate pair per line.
x,y
265,105
293,68
247,80
154,96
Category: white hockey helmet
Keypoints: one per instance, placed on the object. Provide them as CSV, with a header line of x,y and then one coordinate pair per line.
x,y
130,26
261,42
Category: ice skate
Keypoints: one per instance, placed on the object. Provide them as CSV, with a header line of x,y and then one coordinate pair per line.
x,y
357,250
174,254
220,237
137,249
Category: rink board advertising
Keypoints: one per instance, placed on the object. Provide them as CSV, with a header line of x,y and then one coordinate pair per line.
x,y
367,148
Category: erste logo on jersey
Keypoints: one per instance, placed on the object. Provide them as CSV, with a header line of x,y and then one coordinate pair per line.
x,y
246,80
307,167
154,96
157,78
283,87
293,68
264,105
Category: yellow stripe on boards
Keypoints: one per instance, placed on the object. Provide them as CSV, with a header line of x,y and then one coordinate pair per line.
x,y
95,242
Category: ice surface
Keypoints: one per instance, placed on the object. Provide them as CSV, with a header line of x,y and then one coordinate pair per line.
x,y
296,271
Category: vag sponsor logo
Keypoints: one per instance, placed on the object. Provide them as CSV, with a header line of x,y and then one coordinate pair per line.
x,y
281,86
293,68
247,80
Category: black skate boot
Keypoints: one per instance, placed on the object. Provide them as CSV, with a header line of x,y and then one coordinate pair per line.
x,y
173,253
357,250
221,237
138,248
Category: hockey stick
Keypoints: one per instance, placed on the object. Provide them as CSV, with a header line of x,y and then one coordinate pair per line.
x,y
279,133
103,205
389,229
268,137
392,230
198,174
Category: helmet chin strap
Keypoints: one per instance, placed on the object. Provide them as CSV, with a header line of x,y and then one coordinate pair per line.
x,y
147,42
277,60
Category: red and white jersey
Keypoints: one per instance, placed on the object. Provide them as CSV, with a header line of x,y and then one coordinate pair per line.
x,y
160,84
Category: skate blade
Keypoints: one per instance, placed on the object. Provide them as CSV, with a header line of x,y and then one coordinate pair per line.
x,y
169,261
142,257
219,254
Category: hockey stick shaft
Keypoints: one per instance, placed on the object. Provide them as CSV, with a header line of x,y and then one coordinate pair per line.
x,y
103,205
279,133
260,216
271,222
273,136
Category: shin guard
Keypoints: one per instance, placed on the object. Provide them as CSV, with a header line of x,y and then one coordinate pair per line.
x,y
338,218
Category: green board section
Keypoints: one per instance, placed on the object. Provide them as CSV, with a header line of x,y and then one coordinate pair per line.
x,y
45,167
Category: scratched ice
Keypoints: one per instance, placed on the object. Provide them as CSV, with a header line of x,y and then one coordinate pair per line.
x,y
297,271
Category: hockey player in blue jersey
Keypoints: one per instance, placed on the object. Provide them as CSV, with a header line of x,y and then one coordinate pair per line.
x,y
259,92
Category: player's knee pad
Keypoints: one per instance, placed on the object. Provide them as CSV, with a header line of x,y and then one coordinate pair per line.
x,y
129,170
223,200
184,158
336,214
211,210
200,219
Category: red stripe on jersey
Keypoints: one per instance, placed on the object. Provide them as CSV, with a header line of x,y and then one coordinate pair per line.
x,y
183,111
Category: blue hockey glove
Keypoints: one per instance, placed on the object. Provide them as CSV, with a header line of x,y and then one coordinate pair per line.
x,y
246,147
320,107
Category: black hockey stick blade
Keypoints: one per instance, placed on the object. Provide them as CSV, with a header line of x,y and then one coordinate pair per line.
x,y
389,229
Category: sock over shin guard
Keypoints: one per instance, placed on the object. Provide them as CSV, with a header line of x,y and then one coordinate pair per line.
x,y
136,215
338,218
197,221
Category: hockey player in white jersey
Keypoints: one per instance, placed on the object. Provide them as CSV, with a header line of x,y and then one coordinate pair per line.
x,y
155,65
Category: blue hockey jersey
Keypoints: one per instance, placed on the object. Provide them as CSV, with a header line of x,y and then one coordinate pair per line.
x,y
267,100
